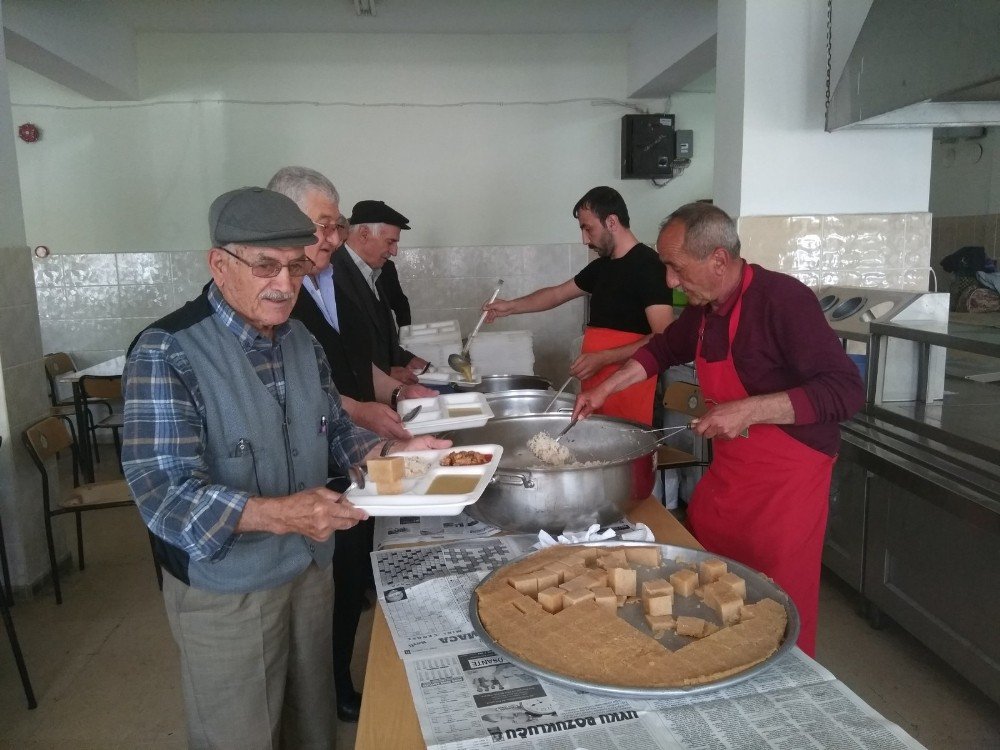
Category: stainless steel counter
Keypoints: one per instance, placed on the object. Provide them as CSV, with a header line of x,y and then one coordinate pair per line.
x,y
915,508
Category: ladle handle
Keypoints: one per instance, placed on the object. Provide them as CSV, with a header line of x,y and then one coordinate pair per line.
x,y
558,394
479,323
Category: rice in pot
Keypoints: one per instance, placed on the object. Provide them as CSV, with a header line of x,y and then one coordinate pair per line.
x,y
546,449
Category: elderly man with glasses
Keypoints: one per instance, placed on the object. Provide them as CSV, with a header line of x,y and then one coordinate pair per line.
x,y
231,424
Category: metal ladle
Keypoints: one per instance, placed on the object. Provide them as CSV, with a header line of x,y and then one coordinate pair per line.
x,y
461,362
558,393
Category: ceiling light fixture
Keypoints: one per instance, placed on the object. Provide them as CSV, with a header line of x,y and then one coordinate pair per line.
x,y
365,8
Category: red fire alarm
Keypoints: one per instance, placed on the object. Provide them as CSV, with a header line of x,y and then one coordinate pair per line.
x,y
29,133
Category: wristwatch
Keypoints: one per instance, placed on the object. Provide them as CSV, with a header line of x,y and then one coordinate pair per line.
x,y
394,398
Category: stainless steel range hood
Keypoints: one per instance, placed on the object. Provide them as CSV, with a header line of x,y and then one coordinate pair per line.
x,y
922,63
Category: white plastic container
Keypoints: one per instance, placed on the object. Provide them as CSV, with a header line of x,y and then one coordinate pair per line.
x,y
503,353
432,341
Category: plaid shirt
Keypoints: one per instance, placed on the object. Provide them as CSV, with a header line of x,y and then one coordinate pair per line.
x,y
164,434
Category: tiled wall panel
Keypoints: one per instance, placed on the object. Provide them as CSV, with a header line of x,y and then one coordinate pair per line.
x,y
890,251
93,304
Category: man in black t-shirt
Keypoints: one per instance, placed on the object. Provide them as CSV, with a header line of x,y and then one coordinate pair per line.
x,y
629,299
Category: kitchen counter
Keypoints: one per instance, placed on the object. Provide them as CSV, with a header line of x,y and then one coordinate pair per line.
x,y
388,718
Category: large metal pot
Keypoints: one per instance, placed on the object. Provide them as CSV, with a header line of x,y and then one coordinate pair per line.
x,y
526,495
495,383
518,403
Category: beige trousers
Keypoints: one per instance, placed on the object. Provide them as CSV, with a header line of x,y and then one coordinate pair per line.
x,y
255,668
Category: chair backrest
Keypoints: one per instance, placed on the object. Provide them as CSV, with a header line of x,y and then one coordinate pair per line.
x,y
102,386
57,364
46,438
685,398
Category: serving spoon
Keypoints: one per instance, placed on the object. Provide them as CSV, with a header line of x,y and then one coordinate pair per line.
x,y
567,428
461,362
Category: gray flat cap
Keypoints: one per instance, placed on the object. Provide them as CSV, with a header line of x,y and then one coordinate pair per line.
x,y
255,216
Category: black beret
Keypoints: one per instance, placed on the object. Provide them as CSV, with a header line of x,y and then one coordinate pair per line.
x,y
377,212
259,217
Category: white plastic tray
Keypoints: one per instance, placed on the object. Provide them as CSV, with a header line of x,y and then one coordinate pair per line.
x,y
443,377
434,416
414,500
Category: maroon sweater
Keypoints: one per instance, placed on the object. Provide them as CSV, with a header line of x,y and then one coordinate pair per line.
x,y
783,343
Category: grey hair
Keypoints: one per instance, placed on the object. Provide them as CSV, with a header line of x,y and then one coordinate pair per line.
x,y
706,227
375,229
295,182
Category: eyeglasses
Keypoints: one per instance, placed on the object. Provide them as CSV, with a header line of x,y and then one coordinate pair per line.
x,y
341,226
268,268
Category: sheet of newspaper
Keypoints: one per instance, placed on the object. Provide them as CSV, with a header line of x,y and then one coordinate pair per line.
x,y
467,696
422,529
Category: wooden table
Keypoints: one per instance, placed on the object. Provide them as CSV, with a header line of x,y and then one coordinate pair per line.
x,y
388,718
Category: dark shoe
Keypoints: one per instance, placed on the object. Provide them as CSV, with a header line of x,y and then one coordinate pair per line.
x,y
349,707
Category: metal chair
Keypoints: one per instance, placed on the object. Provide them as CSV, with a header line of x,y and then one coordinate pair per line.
x,y
99,389
58,364
686,399
6,602
43,441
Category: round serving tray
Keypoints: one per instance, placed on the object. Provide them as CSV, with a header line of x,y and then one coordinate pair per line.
x,y
758,587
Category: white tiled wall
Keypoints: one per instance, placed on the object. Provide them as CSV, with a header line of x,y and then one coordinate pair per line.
x,y
451,283
888,251
92,305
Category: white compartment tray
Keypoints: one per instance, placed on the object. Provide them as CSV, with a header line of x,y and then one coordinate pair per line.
x,y
452,411
443,377
416,499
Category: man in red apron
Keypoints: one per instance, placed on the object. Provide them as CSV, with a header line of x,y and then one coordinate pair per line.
x,y
772,366
629,301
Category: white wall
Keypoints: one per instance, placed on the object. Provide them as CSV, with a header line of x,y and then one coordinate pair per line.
x,y
773,155
670,46
81,45
965,176
221,111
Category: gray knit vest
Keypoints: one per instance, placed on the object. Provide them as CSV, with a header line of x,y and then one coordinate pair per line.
x,y
246,449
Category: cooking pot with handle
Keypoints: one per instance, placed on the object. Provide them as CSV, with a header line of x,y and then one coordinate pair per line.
x,y
612,472
526,401
495,383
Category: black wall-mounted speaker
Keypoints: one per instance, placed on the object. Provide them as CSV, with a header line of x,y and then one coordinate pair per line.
x,y
648,143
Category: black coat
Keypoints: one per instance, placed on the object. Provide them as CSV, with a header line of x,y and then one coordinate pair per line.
x,y
349,351
394,294
385,349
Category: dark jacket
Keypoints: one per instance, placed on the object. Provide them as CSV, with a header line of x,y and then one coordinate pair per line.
x,y
394,294
349,351
386,352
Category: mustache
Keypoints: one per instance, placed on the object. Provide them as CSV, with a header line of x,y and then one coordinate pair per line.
x,y
275,295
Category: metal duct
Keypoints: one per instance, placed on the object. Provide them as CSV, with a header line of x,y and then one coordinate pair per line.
x,y
922,62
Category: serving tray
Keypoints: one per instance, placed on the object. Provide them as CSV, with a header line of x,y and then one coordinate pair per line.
x,y
758,587
451,411
444,377
417,497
